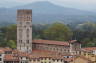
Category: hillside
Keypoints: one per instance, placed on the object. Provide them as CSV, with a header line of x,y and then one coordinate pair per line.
x,y
46,12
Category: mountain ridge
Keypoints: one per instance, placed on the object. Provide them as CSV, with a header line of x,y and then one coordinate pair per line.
x,y
46,12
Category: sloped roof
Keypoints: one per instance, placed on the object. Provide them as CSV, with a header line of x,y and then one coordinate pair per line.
x,y
44,53
10,57
51,42
89,48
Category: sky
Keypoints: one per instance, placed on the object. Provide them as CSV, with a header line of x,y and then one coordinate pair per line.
x,y
79,4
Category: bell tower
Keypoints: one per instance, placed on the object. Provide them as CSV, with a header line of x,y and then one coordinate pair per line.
x,y
24,30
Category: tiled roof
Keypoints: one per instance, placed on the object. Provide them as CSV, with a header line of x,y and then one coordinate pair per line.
x,y
73,41
51,42
36,54
68,59
1,51
20,53
89,48
44,54
6,49
10,57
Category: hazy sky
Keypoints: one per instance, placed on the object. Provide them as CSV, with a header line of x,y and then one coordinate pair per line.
x,y
80,4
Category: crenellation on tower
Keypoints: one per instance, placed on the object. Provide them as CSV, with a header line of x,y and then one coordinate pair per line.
x,y
24,15
24,30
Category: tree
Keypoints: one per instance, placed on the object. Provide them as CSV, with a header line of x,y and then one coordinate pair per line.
x,y
57,31
86,33
8,36
37,30
11,44
11,33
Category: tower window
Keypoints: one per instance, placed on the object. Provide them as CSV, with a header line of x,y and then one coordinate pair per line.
x,y
27,30
27,35
27,23
20,41
27,41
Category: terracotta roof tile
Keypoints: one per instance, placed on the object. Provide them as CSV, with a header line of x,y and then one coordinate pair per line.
x,y
89,48
6,49
51,42
68,59
35,54
10,57
20,53
1,51
73,41
45,54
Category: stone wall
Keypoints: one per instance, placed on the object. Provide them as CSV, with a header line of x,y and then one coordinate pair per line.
x,y
57,48
24,30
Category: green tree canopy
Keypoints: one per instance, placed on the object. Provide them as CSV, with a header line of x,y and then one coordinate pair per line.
x,y
8,36
86,33
11,44
58,31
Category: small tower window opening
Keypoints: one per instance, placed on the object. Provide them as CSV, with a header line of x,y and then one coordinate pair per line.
x,y
27,30
27,41
20,41
27,35
27,23
28,17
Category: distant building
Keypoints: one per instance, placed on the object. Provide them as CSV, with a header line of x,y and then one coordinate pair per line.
x,y
69,48
81,59
37,56
88,55
91,50
24,30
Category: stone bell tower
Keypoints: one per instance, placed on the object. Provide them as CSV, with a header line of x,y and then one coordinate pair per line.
x,y
24,30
